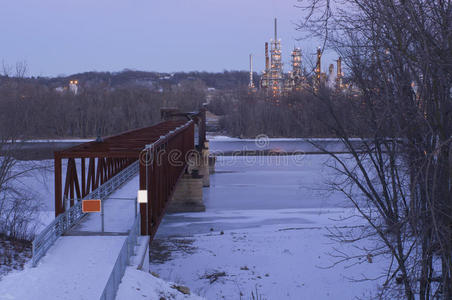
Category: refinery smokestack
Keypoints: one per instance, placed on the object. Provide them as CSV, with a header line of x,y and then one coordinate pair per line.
x,y
319,61
276,29
267,60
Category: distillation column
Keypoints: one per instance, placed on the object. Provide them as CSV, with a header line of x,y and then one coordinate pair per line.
x,y
276,73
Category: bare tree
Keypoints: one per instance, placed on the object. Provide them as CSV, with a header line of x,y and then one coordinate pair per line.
x,y
399,55
18,209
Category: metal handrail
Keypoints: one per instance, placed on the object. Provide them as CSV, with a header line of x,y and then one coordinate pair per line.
x,y
123,260
63,222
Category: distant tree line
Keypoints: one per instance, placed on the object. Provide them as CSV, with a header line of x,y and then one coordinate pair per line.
x,y
297,114
33,110
150,80
109,103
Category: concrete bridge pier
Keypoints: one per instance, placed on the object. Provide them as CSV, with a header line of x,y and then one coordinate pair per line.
x,y
187,196
204,165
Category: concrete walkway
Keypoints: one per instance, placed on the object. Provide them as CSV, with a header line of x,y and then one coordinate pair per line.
x,y
78,266
119,213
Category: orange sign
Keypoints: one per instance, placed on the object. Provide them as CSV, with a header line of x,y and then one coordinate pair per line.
x,y
91,206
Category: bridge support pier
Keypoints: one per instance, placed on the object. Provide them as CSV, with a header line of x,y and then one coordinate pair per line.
x,y
203,166
187,196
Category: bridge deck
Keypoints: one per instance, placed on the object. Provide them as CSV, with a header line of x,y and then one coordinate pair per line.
x,y
127,144
119,213
78,266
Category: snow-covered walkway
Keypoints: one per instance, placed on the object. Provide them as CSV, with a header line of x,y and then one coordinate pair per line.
x,y
74,268
77,267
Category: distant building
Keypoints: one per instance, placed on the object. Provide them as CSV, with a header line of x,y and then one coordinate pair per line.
x,y
73,86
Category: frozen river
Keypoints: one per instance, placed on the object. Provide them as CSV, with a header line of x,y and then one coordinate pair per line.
x,y
262,185
244,189
265,230
261,142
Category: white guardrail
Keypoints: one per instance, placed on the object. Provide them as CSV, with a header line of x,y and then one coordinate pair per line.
x,y
123,260
63,222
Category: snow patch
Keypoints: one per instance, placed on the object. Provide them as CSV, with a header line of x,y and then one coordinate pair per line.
x,y
137,284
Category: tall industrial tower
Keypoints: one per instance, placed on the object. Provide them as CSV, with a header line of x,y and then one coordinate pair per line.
x,y
251,84
318,71
296,61
339,75
276,72
266,74
296,75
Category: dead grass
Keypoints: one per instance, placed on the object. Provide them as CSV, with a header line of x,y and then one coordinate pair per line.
x,y
213,276
161,250
13,254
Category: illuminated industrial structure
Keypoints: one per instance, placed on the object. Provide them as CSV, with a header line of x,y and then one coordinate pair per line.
x,y
276,68
275,82
251,84
296,78
273,79
265,74
339,75
318,72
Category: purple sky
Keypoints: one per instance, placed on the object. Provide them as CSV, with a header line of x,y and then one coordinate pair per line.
x,y
63,36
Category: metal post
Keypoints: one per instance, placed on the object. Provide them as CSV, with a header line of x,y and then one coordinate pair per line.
x,y
58,182
147,191
102,213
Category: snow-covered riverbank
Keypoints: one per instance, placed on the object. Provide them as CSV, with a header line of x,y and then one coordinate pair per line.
x,y
286,260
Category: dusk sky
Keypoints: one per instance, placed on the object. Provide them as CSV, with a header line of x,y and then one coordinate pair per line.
x,y
58,37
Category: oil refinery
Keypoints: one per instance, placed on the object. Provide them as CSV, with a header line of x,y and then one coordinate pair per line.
x,y
275,82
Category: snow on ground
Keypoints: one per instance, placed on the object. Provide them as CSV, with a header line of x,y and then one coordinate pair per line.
x,y
137,284
74,268
280,261
140,284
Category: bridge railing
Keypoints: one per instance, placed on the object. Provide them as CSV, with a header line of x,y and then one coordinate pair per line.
x,y
63,222
160,172
123,260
